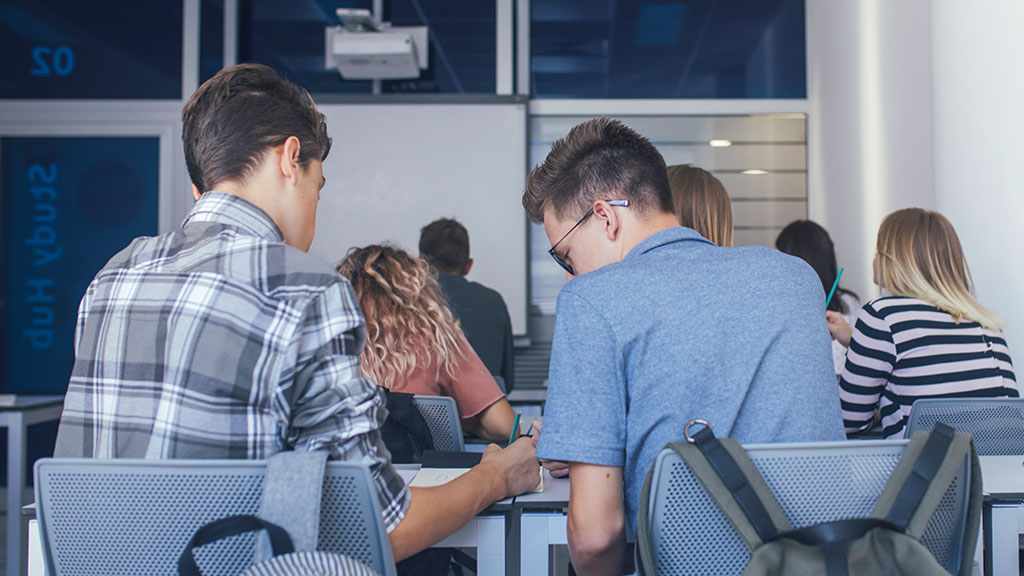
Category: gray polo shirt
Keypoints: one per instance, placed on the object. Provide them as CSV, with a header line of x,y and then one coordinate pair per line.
x,y
682,329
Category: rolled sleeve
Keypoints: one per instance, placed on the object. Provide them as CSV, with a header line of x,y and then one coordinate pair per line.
x,y
331,407
585,413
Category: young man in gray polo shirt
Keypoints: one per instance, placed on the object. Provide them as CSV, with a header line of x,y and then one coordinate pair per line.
x,y
658,327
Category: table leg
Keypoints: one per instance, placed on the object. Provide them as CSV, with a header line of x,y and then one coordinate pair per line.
x,y
1001,539
35,550
490,548
533,554
15,485
513,541
979,552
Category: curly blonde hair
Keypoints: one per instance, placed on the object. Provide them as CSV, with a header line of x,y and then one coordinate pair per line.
x,y
408,322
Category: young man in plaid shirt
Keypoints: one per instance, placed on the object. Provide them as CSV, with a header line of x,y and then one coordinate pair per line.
x,y
224,339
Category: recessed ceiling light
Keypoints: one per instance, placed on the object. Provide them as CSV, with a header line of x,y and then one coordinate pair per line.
x,y
720,143
754,172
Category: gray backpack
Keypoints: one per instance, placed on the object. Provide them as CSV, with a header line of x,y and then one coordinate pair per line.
x,y
886,542
290,516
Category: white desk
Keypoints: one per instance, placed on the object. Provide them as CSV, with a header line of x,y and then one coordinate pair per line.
x,y
36,565
542,524
485,532
26,411
529,401
527,396
1003,517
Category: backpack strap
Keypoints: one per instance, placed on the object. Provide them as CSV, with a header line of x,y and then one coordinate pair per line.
x,y
292,492
224,528
923,475
921,478
733,483
736,486
832,537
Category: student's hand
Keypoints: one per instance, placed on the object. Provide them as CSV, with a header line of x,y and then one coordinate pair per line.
x,y
516,464
556,468
838,327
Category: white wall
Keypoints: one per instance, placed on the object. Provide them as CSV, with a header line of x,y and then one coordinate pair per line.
x,y
869,122
917,103
977,51
395,168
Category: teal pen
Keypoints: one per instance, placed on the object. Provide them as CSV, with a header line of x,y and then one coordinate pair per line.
x,y
833,290
515,428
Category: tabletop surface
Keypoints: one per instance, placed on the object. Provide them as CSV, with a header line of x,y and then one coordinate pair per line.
x,y
555,494
26,401
408,472
1003,475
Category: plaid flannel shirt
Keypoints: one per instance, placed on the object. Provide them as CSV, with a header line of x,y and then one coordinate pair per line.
x,y
220,341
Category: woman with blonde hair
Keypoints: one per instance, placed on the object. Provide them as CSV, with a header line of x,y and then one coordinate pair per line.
x,y
413,343
701,203
928,337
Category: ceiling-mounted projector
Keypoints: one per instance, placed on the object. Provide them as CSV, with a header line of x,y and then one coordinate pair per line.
x,y
364,49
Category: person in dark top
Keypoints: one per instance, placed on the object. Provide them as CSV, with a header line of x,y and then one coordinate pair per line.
x,y
480,310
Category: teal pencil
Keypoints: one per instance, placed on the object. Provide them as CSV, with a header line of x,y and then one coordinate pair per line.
x,y
515,428
833,290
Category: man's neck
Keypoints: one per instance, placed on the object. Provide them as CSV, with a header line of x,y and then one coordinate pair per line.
x,y
643,229
257,193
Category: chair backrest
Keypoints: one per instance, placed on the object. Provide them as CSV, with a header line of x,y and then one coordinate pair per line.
x,y
997,424
134,517
812,482
442,418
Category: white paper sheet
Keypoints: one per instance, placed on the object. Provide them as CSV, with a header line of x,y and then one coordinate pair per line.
x,y
430,477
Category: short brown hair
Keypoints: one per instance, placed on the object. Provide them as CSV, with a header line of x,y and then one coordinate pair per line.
x,y
445,244
701,202
597,160
235,117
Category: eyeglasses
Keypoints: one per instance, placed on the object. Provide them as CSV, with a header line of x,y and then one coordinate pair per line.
x,y
561,262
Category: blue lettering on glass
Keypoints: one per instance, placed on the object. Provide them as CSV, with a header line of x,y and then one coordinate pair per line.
x,y
62,62
39,54
45,250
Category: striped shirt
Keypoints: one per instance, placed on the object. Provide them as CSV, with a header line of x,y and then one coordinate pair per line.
x,y
903,349
220,341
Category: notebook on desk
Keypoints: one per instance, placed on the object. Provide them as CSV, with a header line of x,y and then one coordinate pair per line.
x,y
441,467
1003,475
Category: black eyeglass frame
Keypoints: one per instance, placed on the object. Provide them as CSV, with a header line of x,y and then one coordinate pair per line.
x,y
558,259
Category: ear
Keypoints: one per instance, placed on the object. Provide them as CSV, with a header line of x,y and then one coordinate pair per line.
x,y
608,219
289,160
469,266
195,192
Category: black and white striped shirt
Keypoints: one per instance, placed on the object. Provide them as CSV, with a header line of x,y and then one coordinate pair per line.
x,y
903,349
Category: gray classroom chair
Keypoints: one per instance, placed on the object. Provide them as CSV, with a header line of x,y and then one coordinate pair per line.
x,y
442,418
997,424
131,517
813,483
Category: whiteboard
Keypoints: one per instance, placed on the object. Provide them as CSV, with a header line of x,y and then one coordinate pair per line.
x,y
395,168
